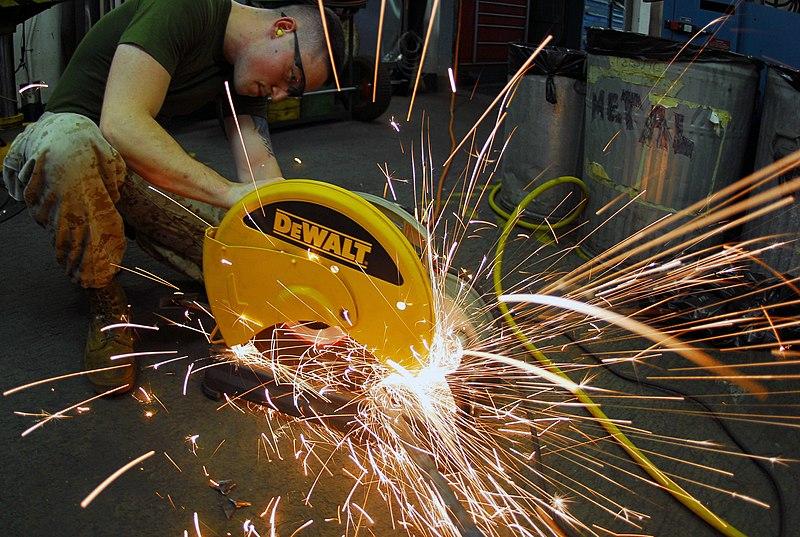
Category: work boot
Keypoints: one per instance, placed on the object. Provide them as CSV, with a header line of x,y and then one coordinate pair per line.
x,y
108,306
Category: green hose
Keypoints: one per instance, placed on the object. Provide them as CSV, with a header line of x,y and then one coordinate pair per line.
x,y
540,229
538,191
658,476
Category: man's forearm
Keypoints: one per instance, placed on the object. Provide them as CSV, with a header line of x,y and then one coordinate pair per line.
x,y
261,157
263,167
152,153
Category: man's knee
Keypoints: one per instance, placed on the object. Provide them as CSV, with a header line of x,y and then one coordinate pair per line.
x,y
74,141
72,155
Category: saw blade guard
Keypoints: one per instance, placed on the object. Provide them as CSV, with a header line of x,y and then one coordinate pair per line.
x,y
301,251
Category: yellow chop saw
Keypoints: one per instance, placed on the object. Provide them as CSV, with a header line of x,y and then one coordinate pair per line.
x,y
326,264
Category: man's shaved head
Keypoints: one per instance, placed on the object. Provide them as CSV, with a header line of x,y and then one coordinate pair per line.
x,y
311,34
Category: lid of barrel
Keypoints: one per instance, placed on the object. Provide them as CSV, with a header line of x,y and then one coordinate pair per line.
x,y
551,61
604,42
789,74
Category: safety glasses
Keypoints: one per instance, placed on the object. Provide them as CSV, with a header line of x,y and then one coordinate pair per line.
x,y
296,85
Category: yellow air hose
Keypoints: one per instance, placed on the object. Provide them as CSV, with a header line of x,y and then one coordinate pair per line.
x,y
658,476
538,191
540,229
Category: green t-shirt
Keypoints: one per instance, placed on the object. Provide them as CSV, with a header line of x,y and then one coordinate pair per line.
x,y
184,36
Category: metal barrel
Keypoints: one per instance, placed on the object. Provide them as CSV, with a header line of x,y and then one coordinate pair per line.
x,y
779,136
666,125
546,117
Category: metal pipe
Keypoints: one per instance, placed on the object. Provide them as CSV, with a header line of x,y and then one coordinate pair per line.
x,y
8,86
329,90
631,14
656,19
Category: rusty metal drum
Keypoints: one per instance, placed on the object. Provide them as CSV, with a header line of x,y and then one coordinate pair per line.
x,y
779,136
665,127
546,119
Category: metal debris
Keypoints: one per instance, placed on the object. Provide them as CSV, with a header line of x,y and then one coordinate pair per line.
x,y
229,510
225,486
232,505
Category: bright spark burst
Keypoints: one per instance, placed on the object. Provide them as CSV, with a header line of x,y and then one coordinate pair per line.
x,y
477,439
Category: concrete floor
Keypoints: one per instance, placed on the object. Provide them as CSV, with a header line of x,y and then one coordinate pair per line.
x,y
49,472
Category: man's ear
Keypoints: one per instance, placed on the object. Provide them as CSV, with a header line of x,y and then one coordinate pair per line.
x,y
282,26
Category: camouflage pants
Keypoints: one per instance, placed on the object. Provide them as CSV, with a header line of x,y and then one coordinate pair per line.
x,y
77,187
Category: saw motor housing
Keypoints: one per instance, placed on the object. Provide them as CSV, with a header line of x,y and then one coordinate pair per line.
x,y
301,251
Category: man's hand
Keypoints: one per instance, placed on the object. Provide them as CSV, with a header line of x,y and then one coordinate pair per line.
x,y
236,191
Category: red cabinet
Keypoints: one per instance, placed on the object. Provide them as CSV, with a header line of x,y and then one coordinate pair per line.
x,y
486,29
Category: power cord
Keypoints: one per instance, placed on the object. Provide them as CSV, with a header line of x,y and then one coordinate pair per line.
x,y
516,220
781,506
677,492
